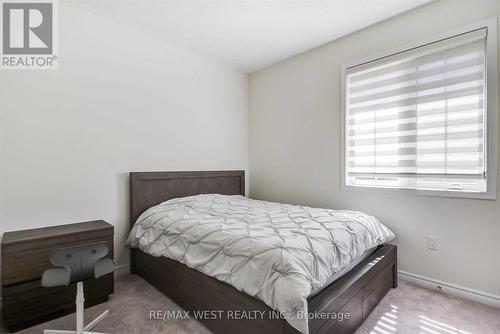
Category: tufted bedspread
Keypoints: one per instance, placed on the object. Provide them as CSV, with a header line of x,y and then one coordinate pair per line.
x,y
278,253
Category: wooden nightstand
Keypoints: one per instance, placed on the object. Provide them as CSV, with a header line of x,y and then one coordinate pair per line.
x,y
25,256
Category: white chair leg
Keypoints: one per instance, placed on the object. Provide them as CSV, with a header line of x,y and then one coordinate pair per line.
x,y
80,302
97,320
80,306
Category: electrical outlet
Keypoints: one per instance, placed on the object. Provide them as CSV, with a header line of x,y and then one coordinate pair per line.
x,y
432,243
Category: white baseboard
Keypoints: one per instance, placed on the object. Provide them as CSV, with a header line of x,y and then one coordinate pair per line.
x,y
451,289
121,270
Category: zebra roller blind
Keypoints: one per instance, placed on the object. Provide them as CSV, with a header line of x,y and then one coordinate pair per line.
x,y
417,119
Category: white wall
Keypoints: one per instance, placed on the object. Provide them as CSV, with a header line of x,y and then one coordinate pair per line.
x,y
295,151
124,101
120,101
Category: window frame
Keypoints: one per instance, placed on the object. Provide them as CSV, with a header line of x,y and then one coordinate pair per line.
x,y
491,114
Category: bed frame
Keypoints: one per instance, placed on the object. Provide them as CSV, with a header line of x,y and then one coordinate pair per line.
x,y
356,293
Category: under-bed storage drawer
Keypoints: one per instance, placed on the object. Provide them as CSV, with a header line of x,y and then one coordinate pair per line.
x,y
347,319
355,299
376,289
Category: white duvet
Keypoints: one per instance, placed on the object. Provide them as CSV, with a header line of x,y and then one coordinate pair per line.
x,y
278,253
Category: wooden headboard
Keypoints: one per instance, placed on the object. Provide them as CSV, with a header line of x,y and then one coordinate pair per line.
x,y
151,188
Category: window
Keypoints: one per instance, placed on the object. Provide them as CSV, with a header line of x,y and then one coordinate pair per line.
x,y
418,119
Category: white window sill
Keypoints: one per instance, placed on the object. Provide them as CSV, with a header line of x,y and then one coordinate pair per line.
x,y
433,193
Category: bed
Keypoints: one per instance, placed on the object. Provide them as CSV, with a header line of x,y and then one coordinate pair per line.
x,y
355,293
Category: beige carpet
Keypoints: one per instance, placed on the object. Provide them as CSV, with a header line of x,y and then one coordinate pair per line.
x,y
407,309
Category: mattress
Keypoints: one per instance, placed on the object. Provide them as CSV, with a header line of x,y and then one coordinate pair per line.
x,y
278,253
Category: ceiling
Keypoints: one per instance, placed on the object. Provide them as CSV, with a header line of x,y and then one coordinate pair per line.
x,y
249,34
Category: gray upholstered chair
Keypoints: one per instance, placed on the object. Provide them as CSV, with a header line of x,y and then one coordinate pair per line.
x,y
78,264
